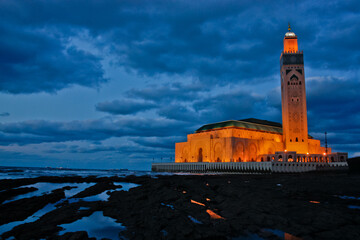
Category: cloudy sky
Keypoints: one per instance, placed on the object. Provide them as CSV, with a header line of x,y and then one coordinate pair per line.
x,y
114,84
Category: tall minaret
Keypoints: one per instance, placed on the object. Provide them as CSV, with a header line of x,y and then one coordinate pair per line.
x,y
293,96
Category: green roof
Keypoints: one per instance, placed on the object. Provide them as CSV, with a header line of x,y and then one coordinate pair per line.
x,y
251,123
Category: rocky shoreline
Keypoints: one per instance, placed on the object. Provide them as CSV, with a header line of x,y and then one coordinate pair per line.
x,y
292,206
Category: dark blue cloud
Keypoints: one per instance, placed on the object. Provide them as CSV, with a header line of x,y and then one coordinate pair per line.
x,y
4,114
159,142
169,92
41,131
332,105
124,106
217,43
36,60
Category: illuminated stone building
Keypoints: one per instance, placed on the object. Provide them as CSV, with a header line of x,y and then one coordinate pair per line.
x,y
254,140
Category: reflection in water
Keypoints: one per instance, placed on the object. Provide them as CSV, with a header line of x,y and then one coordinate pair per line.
x,y
46,187
48,208
198,203
194,220
104,196
282,234
214,215
84,208
288,236
348,197
97,225
168,205
314,202
354,207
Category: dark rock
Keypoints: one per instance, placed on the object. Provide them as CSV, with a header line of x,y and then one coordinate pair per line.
x,y
20,209
96,189
75,236
249,203
10,193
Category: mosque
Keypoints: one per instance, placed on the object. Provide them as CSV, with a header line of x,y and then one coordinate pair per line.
x,y
254,140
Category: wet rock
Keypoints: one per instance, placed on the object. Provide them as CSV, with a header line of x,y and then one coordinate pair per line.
x,y
248,204
74,236
96,189
21,209
8,194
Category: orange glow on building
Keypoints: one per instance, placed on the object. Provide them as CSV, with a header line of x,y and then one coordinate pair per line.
x,y
254,140
290,42
214,215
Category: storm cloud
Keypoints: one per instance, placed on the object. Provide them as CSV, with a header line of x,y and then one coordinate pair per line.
x,y
154,71
216,43
124,106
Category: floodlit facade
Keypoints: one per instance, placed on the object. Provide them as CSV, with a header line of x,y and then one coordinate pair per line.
x,y
254,140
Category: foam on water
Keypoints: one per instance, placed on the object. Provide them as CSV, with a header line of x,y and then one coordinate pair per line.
x,y
33,172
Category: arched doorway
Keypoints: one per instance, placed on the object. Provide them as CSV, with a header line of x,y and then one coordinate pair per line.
x,y
185,155
252,152
238,152
200,155
218,152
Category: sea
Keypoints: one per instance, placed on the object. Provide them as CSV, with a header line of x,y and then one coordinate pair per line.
x,y
96,225
33,172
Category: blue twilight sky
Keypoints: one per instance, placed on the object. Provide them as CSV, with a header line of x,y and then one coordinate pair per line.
x,y
114,84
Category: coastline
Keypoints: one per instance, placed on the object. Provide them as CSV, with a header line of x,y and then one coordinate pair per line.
x,y
284,206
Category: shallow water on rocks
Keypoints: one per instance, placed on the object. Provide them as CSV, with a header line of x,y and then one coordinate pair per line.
x,y
96,225
349,197
45,187
281,234
194,220
104,196
48,208
353,207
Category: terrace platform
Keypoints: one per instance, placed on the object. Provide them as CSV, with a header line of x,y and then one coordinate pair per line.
x,y
249,167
